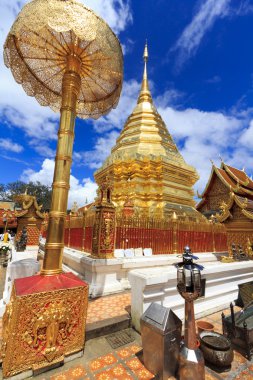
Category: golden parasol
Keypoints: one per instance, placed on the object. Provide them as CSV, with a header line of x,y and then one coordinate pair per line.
x,y
70,60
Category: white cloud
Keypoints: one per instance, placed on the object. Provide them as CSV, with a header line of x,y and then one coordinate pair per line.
x,y
243,8
191,37
117,117
109,126
127,47
246,138
9,145
117,13
215,79
169,97
207,126
94,158
79,191
202,136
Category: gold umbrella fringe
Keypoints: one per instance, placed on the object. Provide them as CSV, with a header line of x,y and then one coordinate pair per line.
x,y
45,33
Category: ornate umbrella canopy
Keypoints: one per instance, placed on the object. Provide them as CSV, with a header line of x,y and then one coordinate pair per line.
x,y
44,34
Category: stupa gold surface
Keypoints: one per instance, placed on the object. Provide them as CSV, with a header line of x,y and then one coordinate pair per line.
x,y
145,165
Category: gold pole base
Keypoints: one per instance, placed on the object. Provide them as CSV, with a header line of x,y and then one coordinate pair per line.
x,y
44,322
48,272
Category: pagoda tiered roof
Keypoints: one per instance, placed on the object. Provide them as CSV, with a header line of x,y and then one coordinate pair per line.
x,y
145,165
239,190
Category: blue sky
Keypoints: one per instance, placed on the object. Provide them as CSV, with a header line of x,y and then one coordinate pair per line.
x,y
201,75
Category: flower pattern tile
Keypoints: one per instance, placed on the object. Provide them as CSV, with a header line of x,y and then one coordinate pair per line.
x,y
77,372
95,365
124,353
108,359
144,374
104,308
134,364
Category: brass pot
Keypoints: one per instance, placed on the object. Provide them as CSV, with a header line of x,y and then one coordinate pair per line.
x,y
216,349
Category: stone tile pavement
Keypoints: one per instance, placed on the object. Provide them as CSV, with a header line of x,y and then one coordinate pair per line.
x,y
101,362
108,307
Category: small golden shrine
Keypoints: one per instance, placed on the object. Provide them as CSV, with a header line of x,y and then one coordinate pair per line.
x,y
30,217
228,198
145,168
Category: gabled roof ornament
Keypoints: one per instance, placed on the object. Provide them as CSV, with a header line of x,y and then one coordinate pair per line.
x,y
198,194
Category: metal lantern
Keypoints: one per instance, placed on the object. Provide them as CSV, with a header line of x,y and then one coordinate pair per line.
x,y
191,361
188,275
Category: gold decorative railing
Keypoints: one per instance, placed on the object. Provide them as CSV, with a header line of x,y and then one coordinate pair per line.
x,y
163,236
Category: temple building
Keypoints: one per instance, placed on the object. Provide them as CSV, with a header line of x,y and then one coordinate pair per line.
x,y
147,174
228,199
30,217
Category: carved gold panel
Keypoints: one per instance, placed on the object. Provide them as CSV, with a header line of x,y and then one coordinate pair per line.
x,y
41,327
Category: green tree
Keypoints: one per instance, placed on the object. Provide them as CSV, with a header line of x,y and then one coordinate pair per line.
x,y
37,189
42,193
2,192
14,188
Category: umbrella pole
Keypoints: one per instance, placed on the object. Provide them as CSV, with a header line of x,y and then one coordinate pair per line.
x,y
71,84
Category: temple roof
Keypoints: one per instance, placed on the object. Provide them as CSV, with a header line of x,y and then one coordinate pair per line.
x,y
235,179
239,185
8,216
245,204
145,133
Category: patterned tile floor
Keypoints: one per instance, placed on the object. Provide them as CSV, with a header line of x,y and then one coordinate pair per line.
x,y
121,364
108,307
101,362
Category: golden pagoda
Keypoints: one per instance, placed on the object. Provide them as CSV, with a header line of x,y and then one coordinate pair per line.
x,y
145,168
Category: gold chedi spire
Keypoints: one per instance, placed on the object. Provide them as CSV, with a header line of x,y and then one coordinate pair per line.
x,y
145,94
161,181
144,131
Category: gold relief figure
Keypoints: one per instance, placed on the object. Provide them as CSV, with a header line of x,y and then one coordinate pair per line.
x,y
249,250
223,208
6,327
108,238
50,328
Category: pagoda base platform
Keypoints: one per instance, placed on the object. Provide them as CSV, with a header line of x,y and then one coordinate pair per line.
x,y
108,276
159,285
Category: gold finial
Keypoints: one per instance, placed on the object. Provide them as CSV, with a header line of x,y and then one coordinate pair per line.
x,y
145,54
174,216
198,194
145,92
